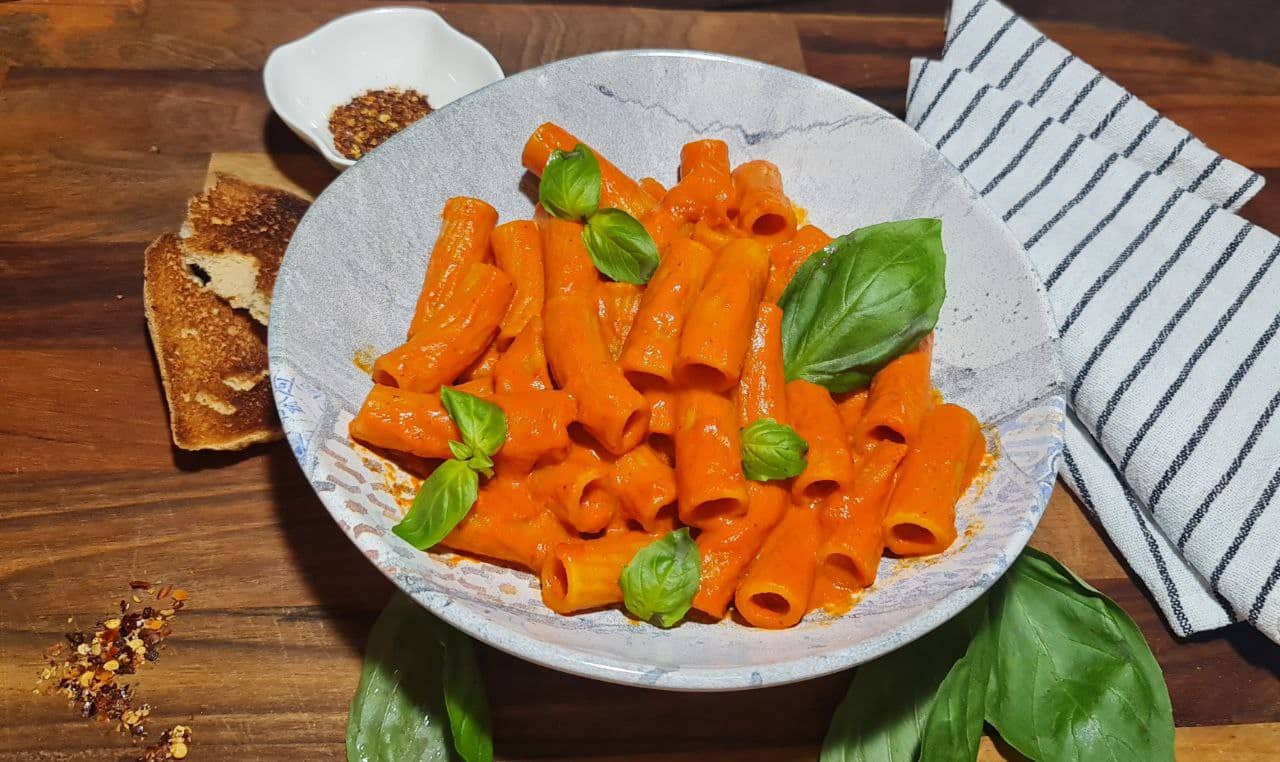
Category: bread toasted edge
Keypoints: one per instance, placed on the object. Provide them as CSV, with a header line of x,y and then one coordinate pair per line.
x,y
179,435
236,231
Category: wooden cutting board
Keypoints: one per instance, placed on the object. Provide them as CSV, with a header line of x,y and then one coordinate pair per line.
x,y
114,113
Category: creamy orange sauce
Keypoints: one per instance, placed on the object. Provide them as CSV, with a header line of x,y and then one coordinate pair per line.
x,y
364,358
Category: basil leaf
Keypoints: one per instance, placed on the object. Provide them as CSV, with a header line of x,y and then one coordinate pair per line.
x,y
464,696
442,501
398,709
420,693
620,247
884,714
570,186
953,729
772,450
863,300
659,583
482,423
481,464
460,450
1074,678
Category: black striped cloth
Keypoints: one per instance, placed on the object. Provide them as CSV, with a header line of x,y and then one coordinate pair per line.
x,y
1167,303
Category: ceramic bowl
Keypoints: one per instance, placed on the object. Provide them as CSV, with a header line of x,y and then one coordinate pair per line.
x,y
408,48
356,262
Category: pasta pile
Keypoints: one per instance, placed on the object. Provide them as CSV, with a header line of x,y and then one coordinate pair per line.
x,y
625,404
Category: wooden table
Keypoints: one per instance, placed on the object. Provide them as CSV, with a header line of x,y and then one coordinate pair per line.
x,y
109,113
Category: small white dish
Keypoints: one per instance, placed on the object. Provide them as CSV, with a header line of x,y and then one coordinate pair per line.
x,y
408,48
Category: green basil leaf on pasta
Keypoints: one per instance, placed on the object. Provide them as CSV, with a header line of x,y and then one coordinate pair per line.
x,y
420,697
659,583
620,247
772,450
444,499
460,451
570,186
482,423
861,301
1074,678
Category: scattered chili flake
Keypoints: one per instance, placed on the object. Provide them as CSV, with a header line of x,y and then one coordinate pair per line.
x,y
174,744
369,119
85,669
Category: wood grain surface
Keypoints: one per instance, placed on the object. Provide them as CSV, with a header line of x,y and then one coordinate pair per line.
x,y
112,113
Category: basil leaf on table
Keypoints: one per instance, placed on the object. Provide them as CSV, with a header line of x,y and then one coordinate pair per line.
x,y
442,501
464,697
772,450
1074,678
954,727
398,709
620,247
884,715
420,698
659,583
863,300
570,185
483,424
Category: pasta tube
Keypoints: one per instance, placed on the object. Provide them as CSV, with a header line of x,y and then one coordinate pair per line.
x,y
578,489
453,337
764,211
899,397
517,249
853,539
523,366
936,471
815,418
729,546
508,525
616,189
708,458
762,387
617,309
650,350
608,406
785,257
718,325
463,242
645,484
583,574
774,593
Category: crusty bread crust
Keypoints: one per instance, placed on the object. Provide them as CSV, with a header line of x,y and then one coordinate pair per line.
x,y
237,232
213,359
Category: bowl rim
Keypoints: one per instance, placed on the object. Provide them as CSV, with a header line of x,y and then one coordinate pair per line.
x,y
277,54
744,677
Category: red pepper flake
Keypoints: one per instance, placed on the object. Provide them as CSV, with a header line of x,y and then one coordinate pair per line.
x,y
174,744
85,670
367,120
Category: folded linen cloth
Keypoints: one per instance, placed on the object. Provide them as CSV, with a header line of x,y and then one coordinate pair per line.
x,y
1165,301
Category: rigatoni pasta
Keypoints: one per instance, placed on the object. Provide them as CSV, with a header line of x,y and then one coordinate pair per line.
x,y
657,403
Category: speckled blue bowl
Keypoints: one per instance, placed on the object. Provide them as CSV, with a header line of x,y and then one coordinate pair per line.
x,y
356,262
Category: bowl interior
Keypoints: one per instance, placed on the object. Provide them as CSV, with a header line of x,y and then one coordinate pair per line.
x,y
356,262
386,47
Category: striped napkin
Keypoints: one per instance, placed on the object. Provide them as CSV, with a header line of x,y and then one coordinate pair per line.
x,y
1166,302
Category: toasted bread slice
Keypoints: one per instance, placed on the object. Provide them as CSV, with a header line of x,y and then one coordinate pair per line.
x,y
237,232
213,360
